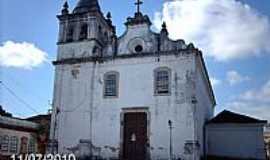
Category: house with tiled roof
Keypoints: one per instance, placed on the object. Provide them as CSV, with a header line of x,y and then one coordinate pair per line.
x,y
22,136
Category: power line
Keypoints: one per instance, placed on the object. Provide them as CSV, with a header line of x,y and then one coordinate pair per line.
x,y
18,98
19,85
13,109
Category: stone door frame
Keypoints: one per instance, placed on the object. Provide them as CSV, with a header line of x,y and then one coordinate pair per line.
x,y
134,110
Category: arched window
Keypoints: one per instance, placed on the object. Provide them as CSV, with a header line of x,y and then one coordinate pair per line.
x,y
13,145
70,32
99,30
100,35
83,32
95,50
162,81
111,84
106,38
5,143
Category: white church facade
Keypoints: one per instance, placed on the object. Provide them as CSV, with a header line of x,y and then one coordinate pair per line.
x,y
134,97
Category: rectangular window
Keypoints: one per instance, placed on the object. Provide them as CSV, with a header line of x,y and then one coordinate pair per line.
x,y
32,146
111,85
162,82
5,143
13,147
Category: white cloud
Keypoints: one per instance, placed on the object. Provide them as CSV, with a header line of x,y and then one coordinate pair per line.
x,y
215,82
233,77
258,95
223,29
21,55
254,102
257,110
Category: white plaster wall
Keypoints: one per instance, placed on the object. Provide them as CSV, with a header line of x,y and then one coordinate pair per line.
x,y
75,98
168,44
76,50
236,140
204,109
267,139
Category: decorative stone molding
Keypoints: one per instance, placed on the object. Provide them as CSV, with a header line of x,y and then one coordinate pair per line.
x,y
139,18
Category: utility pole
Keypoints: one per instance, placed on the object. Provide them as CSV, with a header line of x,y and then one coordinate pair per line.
x,y
171,148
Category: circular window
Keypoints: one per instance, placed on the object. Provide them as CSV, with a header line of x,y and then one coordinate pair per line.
x,y
136,45
138,48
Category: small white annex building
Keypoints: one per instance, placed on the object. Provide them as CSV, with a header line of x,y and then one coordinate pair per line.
x,y
267,139
134,97
235,136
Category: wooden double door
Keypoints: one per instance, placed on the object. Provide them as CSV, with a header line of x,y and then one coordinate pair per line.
x,y
135,136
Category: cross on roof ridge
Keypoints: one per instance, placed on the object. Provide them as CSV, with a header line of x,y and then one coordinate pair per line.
x,y
138,3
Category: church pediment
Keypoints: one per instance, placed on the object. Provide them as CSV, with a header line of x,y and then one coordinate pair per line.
x,y
141,39
137,39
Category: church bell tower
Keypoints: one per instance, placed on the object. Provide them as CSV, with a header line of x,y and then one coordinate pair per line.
x,y
84,34
85,31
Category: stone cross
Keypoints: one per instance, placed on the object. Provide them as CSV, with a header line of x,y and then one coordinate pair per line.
x,y
138,3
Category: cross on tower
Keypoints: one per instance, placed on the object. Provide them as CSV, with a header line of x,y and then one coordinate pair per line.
x,y
138,3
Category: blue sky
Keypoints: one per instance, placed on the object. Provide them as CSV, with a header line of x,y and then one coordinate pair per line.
x,y
232,34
